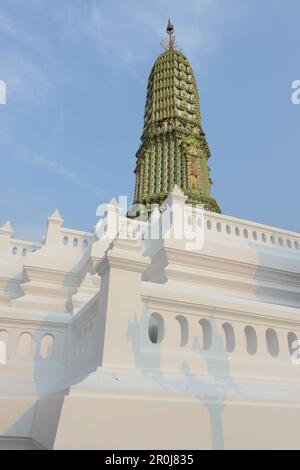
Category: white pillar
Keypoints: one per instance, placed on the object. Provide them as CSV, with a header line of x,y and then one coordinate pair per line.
x,y
125,320
55,222
6,234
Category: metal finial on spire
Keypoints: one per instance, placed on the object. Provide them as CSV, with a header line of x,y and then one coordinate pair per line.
x,y
170,43
170,28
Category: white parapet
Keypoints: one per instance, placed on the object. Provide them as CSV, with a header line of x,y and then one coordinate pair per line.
x,y
192,347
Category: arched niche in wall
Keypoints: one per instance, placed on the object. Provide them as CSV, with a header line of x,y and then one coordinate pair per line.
x,y
24,344
47,346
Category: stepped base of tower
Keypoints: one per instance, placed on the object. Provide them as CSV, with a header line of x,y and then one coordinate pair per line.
x,y
208,202
114,409
117,410
141,208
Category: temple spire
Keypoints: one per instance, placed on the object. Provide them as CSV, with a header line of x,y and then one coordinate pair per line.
x,y
173,149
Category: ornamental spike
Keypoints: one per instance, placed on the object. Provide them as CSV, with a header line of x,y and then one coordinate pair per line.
x,y
170,43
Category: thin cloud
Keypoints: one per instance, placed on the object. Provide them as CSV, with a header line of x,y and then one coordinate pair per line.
x,y
7,27
48,164
24,76
128,31
25,80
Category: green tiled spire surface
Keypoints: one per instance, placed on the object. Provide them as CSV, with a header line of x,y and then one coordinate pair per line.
x,y
173,147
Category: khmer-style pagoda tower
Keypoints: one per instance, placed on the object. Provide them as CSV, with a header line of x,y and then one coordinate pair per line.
x,y
173,147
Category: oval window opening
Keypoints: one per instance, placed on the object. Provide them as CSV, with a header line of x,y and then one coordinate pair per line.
x,y
184,332
229,337
291,339
272,342
3,346
251,340
156,328
206,333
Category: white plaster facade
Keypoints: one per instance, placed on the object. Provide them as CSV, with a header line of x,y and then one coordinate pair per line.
x,y
78,369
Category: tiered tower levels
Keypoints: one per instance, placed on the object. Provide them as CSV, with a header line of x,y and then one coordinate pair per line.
x,y
173,146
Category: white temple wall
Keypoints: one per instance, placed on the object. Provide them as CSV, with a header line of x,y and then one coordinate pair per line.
x,y
76,352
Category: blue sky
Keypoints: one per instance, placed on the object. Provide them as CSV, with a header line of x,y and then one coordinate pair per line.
x,y
76,74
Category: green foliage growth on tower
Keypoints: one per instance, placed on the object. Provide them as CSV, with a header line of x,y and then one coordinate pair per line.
x,y
173,147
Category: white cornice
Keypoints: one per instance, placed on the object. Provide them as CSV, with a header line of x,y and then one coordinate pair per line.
x,y
171,298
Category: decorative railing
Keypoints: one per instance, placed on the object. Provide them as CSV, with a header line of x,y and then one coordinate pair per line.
x,y
76,239
224,338
31,348
20,248
238,229
84,340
